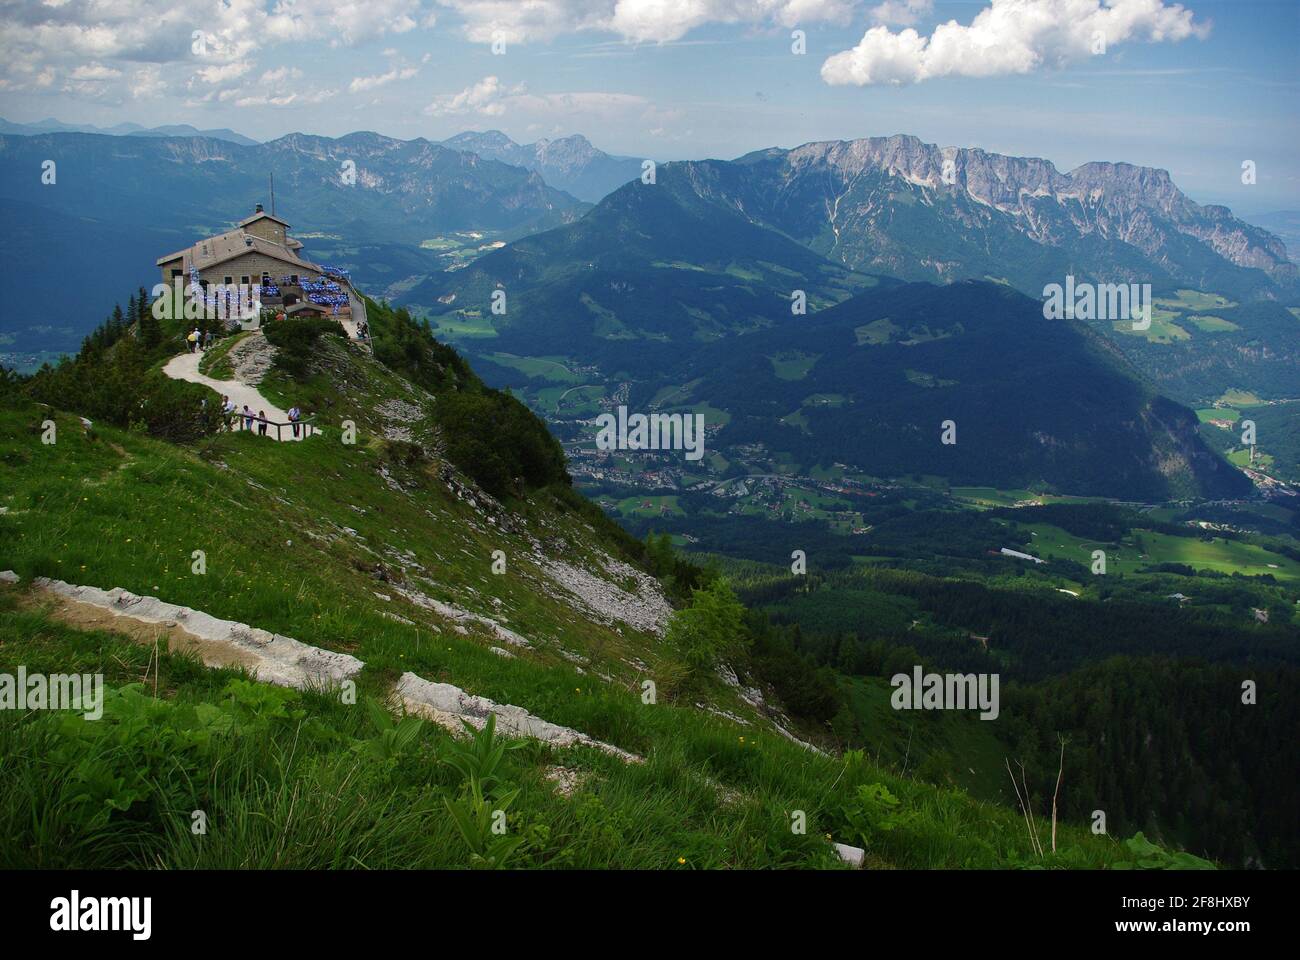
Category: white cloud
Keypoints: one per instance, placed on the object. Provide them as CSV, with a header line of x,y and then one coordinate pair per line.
x,y
554,111
94,71
486,98
1009,37
636,20
223,72
282,100
147,82
360,84
280,75
399,69
45,43
901,13
92,81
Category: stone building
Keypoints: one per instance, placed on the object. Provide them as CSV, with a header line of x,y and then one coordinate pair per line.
x,y
259,254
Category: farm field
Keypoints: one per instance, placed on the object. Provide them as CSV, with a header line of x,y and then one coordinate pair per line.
x,y
1148,548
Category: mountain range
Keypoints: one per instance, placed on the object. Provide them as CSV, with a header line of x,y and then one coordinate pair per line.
x,y
899,206
711,252
570,164
685,286
50,125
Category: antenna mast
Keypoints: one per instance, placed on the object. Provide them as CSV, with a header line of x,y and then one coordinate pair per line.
x,y
273,193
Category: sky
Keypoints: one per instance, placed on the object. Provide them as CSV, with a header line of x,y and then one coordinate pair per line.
x,y
1198,89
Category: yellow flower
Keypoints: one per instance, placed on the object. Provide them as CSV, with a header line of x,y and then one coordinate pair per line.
x,y
681,859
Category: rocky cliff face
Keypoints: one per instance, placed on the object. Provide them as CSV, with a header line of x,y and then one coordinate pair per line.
x,y
873,203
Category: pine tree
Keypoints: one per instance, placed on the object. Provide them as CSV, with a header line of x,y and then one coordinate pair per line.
x,y
150,329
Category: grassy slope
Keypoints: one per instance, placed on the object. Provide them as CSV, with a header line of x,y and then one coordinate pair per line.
x,y
110,508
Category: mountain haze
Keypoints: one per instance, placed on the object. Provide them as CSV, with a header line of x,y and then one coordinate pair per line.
x,y
50,125
569,163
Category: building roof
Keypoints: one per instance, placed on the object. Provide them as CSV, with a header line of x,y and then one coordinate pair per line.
x,y
215,251
260,214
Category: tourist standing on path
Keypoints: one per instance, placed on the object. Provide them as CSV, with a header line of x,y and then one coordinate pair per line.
x,y
248,418
294,416
193,339
227,411
261,422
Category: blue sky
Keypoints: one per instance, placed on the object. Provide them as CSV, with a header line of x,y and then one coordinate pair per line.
x,y
1196,89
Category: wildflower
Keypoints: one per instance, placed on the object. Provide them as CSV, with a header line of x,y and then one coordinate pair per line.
x,y
681,859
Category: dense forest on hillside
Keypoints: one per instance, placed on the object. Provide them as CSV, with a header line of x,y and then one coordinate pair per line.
x,y
1148,695
1171,747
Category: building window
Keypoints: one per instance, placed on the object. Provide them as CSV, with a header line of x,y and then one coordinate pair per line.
x,y
176,273
230,281
244,279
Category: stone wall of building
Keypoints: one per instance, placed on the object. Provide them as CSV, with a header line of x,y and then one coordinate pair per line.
x,y
267,229
251,265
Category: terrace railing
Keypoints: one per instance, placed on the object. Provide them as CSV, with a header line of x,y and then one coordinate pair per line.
x,y
306,427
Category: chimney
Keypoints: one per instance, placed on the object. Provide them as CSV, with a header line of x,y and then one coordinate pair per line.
x,y
259,209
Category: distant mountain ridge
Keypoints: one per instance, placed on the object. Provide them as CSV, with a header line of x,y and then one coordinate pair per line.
x,y
50,125
1285,224
918,211
568,163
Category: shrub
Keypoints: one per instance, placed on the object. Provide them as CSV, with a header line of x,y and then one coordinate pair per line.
x,y
875,811
710,630
295,340
498,442
114,384
178,411
1147,856
410,348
